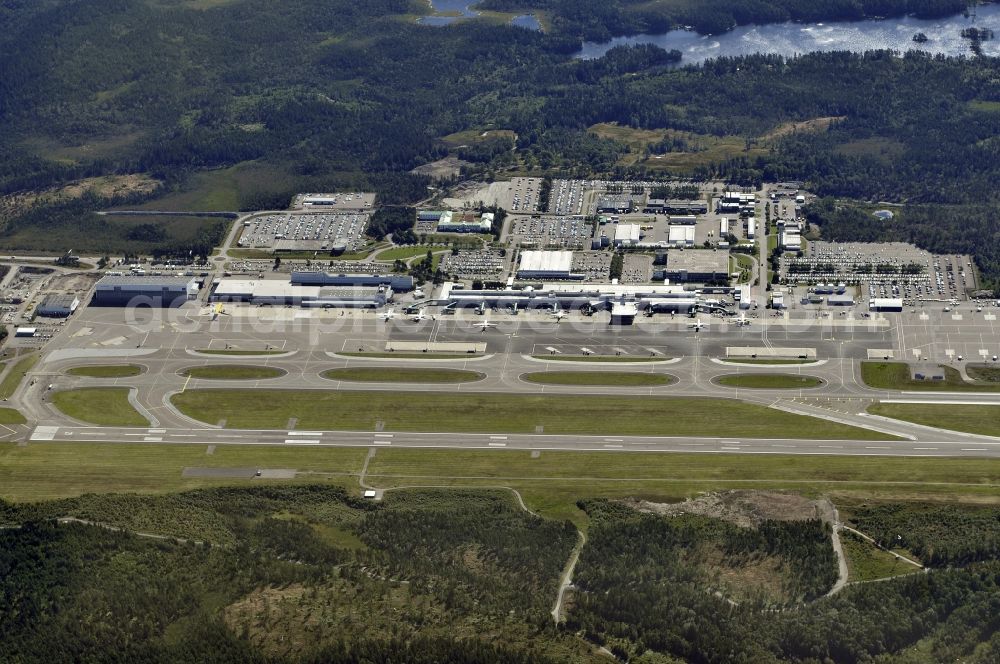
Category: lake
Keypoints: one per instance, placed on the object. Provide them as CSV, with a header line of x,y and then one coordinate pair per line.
x,y
789,39
463,9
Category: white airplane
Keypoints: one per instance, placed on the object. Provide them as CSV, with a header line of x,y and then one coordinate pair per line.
x,y
559,314
742,320
420,316
697,325
388,315
484,325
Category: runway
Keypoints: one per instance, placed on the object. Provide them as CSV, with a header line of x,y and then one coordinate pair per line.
x,y
528,442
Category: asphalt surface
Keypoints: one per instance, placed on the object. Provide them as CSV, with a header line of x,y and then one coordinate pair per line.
x,y
164,344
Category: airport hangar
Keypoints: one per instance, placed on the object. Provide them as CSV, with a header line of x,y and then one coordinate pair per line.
x,y
153,291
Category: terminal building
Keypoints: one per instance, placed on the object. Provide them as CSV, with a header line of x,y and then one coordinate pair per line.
x,y
546,265
668,298
284,293
399,283
152,291
696,265
58,306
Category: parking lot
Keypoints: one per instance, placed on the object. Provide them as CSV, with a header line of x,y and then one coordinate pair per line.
x,y
566,197
555,232
487,263
324,230
522,195
637,269
595,266
893,269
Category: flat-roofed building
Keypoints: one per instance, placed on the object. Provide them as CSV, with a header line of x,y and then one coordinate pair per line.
x,y
697,265
400,283
627,235
885,304
680,236
58,305
152,291
546,265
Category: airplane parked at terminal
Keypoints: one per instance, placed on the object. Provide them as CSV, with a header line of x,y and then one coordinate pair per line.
x,y
697,325
218,310
420,316
484,325
559,314
742,320
388,315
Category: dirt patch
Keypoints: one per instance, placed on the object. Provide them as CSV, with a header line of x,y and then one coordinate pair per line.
x,y
442,168
743,508
813,126
106,186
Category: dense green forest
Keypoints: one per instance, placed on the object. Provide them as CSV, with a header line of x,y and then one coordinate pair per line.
x,y
641,589
305,574
236,105
302,574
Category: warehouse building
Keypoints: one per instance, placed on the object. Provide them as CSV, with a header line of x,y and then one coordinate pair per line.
x,y
685,207
627,235
122,291
697,265
546,265
683,220
399,283
892,304
680,236
843,300
58,306
620,204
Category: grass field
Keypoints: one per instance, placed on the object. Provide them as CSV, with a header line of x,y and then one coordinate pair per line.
x,y
404,253
983,420
588,378
550,484
984,373
402,375
487,412
106,370
105,406
232,372
414,356
11,416
866,562
15,374
769,381
896,376
731,360
207,351
599,358
46,471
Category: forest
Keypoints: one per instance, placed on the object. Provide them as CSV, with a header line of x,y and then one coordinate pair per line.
x,y
309,573
238,106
